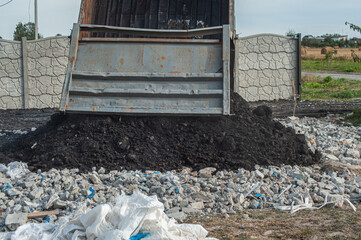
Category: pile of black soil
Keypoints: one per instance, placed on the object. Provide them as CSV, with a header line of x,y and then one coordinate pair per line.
x,y
162,143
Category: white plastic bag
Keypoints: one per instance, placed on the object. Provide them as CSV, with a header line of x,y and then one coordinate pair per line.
x,y
131,215
17,170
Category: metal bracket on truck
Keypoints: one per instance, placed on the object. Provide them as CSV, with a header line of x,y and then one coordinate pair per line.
x,y
171,73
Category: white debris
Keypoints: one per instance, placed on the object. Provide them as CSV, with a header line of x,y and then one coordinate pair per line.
x,y
131,216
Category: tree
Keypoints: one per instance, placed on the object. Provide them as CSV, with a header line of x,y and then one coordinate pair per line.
x,y
1,37
25,30
290,33
354,27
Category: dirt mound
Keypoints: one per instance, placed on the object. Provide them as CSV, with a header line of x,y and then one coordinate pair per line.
x,y
161,143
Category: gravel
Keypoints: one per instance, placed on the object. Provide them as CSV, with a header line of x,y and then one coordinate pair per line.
x,y
186,193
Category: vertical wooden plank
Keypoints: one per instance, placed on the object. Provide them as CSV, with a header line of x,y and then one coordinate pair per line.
x,y
118,16
113,16
25,78
109,12
225,12
102,15
163,14
153,15
216,16
125,18
81,11
119,13
88,16
226,55
147,14
193,22
172,14
232,17
216,13
187,5
132,11
201,13
208,12
179,14
140,14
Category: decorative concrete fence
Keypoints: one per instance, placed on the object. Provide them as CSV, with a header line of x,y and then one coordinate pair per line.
x,y
32,72
267,67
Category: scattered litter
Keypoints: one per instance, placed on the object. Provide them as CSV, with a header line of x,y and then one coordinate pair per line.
x,y
34,145
15,170
51,201
309,206
285,190
253,188
140,236
133,217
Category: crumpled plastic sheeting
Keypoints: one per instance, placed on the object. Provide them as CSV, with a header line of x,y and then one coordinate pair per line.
x,y
15,170
136,215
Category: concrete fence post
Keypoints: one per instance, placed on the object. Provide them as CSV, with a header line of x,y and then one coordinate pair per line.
x,y
25,73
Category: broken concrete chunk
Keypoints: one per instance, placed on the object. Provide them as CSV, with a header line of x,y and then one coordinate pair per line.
x,y
36,193
94,179
207,172
60,204
16,219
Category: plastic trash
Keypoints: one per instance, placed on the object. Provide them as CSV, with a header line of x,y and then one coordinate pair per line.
x,y
133,217
310,206
140,236
17,170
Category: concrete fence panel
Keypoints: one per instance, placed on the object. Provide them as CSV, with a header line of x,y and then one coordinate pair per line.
x,y
266,67
32,72
10,75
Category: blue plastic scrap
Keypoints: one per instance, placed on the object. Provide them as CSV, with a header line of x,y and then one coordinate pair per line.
x,y
90,196
140,236
92,190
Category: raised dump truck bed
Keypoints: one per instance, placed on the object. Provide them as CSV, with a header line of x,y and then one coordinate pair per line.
x,y
128,70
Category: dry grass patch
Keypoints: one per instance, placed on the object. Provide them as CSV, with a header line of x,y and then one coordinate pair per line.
x,y
327,223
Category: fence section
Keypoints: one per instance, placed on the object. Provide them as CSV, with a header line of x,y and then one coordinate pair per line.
x,y
32,72
267,67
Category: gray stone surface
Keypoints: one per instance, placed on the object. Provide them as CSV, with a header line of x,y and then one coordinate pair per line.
x,y
10,75
266,66
47,63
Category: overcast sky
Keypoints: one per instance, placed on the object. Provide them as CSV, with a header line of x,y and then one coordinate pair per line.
x,y
314,17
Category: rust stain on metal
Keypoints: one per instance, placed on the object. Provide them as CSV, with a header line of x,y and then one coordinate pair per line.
x,y
163,58
122,61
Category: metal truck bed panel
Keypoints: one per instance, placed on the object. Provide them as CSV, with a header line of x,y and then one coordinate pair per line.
x,y
158,76
150,57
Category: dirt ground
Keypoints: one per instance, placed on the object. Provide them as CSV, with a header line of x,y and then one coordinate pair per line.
x,y
344,53
327,223
284,108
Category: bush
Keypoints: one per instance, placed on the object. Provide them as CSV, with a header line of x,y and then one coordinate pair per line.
x,y
350,69
327,79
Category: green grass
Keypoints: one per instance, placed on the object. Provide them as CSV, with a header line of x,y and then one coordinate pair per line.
x,y
333,66
316,88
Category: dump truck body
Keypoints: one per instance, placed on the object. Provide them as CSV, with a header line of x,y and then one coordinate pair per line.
x,y
130,68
